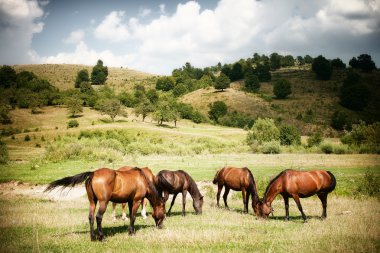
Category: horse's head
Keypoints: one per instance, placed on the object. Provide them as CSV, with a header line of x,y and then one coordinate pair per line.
x,y
216,177
197,204
159,212
262,209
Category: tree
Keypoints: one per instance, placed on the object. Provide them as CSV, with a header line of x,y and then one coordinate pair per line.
x,y
354,94
264,130
217,109
287,61
152,95
300,60
263,72
143,108
322,68
222,82
236,72
308,59
109,106
338,64
4,155
340,120
99,73
74,105
4,114
179,90
7,76
165,83
252,83
166,110
290,135
82,76
363,62
282,88
275,61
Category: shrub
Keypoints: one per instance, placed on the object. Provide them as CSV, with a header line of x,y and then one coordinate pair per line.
x,y
217,110
237,119
355,97
252,83
315,139
290,135
165,83
340,120
222,82
327,148
72,123
271,147
179,90
369,185
27,137
282,88
341,149
322,68
264,130
4,156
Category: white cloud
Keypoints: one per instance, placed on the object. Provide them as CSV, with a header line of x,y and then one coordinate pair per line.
x,y
74,37
162,8
144,12
112,29
19,20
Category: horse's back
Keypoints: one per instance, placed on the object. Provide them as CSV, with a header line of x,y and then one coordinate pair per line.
x,y
235,178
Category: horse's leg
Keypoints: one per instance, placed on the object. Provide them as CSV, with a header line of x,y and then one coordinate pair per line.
x,y
166,196
243,193
297,200
220,187
184,193
114,211
91,218
99,218
226,191
286,201
171,205
133,207
323,198
123,211
247,199
144,202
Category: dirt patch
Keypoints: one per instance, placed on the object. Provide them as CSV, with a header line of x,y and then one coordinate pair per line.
x,y
16,189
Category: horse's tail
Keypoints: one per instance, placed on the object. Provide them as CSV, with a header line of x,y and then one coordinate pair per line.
x,y
69,181
216,177
253,189
333,182
163,184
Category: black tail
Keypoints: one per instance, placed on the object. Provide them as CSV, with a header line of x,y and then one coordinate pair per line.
x,y
252,188
163,184
333,182
69,181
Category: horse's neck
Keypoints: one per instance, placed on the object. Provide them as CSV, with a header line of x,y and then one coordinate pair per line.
x,y
193,190
272,192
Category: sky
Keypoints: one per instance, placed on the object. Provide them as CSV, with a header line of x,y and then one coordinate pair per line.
x,y
157,36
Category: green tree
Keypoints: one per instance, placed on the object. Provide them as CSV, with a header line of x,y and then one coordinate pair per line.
x,y
166,110
264,130
287,61
217,109
222,82
252,83
236,72
82,76
282,88
363,62
4,114
143,108
74,105
308,59
165,83
340,120
263,72
110,106
300,60
275,61
354,94
4,155
7,76
338,64
179,90
99,73
322,68
290,135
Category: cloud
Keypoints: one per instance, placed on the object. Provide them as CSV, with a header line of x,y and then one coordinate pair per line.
x,y
162,8
74,37
19,20
112,29
144,12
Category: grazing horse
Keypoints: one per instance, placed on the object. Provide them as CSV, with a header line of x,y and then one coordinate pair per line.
x,y
298,184
106,185
151,177
174,182
237,179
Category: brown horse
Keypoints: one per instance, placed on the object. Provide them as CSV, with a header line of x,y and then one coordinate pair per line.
x,y
106,185
174,182
151,177
296,185
237,179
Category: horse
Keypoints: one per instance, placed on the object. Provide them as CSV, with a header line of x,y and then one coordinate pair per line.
x,y
106,185
174,182
151,177
297,184
237,179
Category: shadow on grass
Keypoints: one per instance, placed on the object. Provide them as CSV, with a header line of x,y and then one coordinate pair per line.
x,y
107,231
75,116
166,126
172,214
294,218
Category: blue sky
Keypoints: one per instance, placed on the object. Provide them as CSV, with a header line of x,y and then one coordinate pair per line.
x,y
157,36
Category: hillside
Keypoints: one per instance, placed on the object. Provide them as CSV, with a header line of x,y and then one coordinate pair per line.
x,y
63,75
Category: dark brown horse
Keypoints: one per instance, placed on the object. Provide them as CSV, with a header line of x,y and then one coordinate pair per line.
x,y
151,177
237,179
296,185
174,182
106,185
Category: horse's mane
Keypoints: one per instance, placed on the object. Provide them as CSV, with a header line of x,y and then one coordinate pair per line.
x,y
272,181
150,184
193,186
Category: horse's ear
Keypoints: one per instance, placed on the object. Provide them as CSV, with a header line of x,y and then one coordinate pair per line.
x,y
201,197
